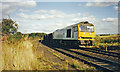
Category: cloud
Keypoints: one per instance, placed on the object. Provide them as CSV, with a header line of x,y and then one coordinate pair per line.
x,y
103,1
62,0
27,4
35,16
79,4
109,19
100,4
0,10
23,10
19,20
111,22
40,11
109,25
23,15
115,7
44,20
50,14
91,19
56,12
85,14
10,7
17,1
12,0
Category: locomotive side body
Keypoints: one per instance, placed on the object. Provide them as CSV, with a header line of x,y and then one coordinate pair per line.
x,y
78,34
67,33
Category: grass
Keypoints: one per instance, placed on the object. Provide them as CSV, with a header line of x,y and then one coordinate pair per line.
x,y
44,64
63,59
18,56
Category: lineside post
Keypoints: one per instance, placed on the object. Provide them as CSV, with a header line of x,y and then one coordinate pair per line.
x,y
106,46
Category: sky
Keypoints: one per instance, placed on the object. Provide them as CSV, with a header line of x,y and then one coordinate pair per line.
x,y
37,16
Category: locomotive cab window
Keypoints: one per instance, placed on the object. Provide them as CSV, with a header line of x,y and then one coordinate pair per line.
x,y
90,28
68,32
75,29
86,28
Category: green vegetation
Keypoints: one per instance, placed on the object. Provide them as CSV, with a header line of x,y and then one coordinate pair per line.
x,y
9,26
106,41
15,37
33,35
57,55
9,31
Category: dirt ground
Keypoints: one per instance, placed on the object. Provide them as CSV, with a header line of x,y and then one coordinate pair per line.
x,y
42,51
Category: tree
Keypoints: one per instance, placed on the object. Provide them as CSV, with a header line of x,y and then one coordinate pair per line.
x,y
9,26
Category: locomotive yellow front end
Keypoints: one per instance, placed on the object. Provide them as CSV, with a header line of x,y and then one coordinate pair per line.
x,y
86,33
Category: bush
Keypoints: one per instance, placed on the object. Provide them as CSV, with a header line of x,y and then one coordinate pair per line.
x,y
15,37
33,35
9,26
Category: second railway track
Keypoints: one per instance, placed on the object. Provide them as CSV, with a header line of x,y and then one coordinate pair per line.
x,y
101,52
95,61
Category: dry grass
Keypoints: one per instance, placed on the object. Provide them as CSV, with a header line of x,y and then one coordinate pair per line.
x,y
18,56
21,55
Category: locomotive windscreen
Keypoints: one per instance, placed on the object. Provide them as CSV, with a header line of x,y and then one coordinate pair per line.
x,y
86,28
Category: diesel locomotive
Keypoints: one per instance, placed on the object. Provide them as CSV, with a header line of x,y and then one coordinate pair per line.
x,y
82,33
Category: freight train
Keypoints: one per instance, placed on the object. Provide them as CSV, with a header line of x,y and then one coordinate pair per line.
x,y
82,33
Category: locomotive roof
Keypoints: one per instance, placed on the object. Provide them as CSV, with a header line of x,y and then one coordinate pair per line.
x,y
84,23
80,23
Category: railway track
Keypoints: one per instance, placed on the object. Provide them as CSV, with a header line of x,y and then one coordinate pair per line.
x,y
101,52
99,63
97,55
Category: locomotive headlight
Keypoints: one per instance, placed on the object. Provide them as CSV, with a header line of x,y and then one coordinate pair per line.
x,y
92,37
84,33
90,33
